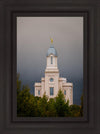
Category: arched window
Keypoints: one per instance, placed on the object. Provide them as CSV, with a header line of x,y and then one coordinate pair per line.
x,y
51,59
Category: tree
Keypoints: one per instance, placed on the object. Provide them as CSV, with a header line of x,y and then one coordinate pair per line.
x,y
51,108
42,105
23,96
23,101
67,110
75,110
60,104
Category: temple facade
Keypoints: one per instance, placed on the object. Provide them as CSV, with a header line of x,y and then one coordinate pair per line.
x,y
51,83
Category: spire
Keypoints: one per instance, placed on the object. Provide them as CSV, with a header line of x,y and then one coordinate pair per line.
x,y
51,49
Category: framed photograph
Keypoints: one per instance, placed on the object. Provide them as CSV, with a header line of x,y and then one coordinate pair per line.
x,y
50,67
49,49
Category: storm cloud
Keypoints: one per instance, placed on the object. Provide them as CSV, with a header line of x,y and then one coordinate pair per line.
x,y
33,41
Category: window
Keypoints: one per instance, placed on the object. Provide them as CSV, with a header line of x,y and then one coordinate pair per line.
x,y
51,90
51,79
38,92
51,59
64,92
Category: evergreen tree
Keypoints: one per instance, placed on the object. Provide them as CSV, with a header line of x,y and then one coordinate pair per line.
x,y
60,104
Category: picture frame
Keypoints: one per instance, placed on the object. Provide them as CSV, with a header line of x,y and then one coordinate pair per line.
x,y
90,123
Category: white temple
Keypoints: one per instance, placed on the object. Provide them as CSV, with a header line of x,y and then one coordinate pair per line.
x,y
51,83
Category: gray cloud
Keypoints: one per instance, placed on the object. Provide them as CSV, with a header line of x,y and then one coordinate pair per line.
x,y
33,41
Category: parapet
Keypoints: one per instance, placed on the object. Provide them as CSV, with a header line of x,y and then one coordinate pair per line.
x,y
37,84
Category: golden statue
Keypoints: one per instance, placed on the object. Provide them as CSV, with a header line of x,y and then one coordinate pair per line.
x,y
51,40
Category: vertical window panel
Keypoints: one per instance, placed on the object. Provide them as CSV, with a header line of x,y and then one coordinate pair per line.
x,y
64,92
51,91
38,92
51,59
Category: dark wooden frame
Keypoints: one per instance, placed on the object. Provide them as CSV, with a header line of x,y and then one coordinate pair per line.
x,y
44,13
90,123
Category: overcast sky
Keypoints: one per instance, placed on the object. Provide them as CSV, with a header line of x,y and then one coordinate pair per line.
x,y
33,41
